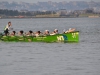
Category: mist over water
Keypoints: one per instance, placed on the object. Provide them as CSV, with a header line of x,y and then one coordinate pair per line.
x,y
83,58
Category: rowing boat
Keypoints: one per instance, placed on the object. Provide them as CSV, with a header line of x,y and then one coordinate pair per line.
x,y
66,37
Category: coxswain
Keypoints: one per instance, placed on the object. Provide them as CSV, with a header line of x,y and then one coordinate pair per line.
x,y
7,28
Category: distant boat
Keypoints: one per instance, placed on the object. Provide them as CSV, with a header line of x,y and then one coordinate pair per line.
x,y
66,37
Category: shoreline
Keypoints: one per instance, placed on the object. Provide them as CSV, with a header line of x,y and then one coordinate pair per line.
x,y
49,17
53,16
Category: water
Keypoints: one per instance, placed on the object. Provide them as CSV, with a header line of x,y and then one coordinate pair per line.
x,y
81,58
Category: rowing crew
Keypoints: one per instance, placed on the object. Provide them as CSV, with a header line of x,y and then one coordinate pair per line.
x,y
38,33
31,33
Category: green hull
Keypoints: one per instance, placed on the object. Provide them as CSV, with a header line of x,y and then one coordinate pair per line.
x,y
68,37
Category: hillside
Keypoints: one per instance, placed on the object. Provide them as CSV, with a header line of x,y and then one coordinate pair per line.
x,y
46,6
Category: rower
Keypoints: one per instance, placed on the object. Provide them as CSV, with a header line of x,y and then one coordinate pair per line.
x,y
21,33
38,33
7,28
46,32
13,33
30,33
70,30
54,32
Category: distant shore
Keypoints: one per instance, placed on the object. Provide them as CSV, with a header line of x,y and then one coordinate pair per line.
x,y
54,16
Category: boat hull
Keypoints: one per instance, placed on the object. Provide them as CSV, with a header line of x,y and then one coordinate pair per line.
x,y
68,37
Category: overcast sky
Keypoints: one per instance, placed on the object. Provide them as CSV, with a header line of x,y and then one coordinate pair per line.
x,y
34,1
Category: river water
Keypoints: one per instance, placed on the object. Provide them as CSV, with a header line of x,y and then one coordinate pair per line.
x,y
83,58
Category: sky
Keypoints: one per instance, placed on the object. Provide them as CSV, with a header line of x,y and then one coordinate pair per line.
x,y
35,1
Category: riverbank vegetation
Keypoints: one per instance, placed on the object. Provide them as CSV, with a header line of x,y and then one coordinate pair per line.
x,y
4,13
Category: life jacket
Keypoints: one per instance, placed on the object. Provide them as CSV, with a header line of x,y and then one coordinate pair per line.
x,y
7,27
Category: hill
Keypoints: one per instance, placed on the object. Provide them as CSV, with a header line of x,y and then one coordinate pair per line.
x,y
48,6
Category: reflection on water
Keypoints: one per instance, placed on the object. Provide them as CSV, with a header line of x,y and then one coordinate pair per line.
x,y
81,58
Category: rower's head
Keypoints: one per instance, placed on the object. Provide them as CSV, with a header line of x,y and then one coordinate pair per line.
x,y
21,32
30,32
13,33
56,30
46,31
38,32
9,23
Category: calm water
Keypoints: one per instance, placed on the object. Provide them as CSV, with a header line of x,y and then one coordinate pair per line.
x,y
81,58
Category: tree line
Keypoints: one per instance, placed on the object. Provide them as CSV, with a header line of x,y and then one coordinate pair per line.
x,y
7,12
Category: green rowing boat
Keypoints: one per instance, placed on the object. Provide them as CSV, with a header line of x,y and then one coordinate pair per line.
x,y
67,37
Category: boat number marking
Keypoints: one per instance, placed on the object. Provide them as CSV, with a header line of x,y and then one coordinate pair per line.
x,y
60,38
74,35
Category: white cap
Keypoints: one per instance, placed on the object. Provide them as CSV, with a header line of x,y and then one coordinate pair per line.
x,y
55,29
70,28
46,30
